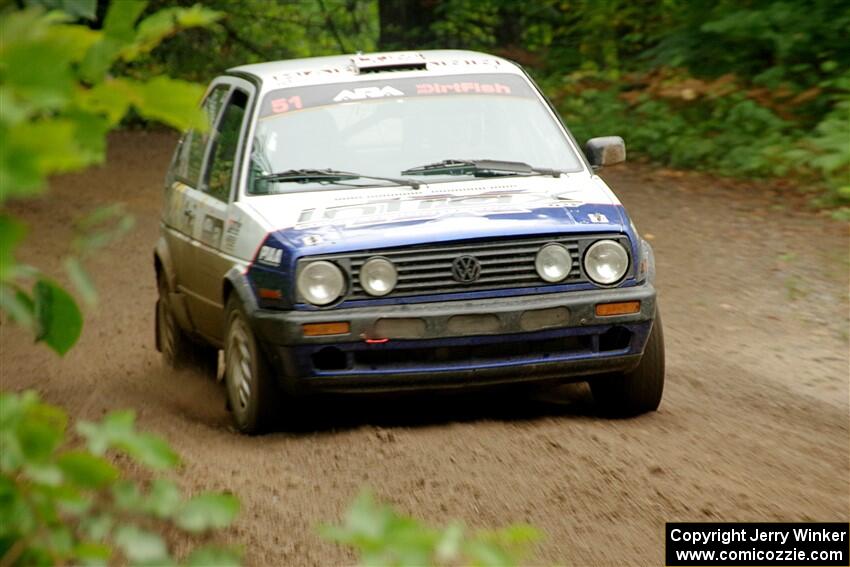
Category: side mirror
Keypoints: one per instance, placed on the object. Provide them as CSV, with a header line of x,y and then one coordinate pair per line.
x,y
608,150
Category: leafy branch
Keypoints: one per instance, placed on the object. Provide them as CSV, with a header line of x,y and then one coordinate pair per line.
x,y
64,500
383,537
57,103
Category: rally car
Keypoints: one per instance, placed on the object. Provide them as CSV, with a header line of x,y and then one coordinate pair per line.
x,y
400,221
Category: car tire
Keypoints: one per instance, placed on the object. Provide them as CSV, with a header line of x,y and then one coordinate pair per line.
x,y
252,393
171,340
639,391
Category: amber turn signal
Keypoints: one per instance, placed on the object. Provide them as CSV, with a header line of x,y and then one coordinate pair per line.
x,y
622,308
270,293
322,329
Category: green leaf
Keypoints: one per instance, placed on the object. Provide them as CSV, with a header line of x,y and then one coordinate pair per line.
x,y
100,57
140,546
81,280
41,430
111,98
87,470
11,233
156,27
101,436
101,227
38,71
208,556
85,9
18,516
75,40
34,149
70,500
46,474
207,511
449,545
119,423
121,17
96,441
13,110
487,555
172,102
17,304
127,496
60,539
88,553
89,135
118,32
59,318
97,528
149,450
163,499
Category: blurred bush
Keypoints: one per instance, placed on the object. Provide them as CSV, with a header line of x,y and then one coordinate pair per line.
x,y
381,537
64,501
58,100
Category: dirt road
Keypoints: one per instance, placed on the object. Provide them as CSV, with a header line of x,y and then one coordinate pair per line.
x,y
753,426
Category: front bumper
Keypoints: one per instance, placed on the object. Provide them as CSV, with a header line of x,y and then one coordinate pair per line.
x,y
459,343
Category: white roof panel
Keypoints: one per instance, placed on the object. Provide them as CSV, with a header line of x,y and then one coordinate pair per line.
x,y
355,67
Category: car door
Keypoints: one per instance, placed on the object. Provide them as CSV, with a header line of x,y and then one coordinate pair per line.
x,y
180,217
213,209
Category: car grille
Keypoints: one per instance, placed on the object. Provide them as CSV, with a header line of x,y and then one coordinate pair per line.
x,y
427,269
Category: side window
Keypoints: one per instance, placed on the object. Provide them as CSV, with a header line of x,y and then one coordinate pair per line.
x,y
223,157
187,166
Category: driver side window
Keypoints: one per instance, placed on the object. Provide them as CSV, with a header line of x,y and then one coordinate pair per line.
x,y
187,165
223,157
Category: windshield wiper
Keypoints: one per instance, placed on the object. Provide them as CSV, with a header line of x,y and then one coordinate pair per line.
x,y
329,176
480,168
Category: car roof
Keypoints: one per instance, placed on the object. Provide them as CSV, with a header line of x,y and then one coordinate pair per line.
x,y
359,67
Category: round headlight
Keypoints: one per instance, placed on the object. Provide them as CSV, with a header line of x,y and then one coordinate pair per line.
x,y
606,262
320,282
378,276
553,263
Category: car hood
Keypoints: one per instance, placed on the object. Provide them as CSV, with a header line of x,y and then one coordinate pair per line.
x,y
317,222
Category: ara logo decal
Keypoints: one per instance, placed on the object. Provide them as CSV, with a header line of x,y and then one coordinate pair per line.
x,y
597,218
366,92
270,256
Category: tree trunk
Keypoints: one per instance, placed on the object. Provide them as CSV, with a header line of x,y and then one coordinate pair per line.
x,y
405,24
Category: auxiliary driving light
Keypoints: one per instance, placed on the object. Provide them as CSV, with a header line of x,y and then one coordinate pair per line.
x,y
378,276
553,263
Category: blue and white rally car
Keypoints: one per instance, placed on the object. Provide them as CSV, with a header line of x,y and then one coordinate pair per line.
x,y
400,221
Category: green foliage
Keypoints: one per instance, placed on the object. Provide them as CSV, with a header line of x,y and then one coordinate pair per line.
x,y
57,103
382,537
64,501
613,67
730,134
252,31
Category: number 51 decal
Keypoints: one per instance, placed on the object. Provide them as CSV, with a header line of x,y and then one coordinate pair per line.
x,y
286,104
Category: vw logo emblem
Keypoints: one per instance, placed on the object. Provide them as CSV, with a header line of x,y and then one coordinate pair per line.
x,y
466,269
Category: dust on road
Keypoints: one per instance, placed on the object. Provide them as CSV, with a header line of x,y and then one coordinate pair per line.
x,y
753,426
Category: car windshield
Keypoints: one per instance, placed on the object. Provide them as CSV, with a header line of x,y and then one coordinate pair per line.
x,y
384,127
